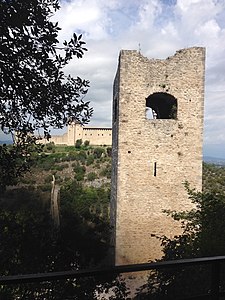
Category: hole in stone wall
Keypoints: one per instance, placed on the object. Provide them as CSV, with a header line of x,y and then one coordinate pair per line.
x,y
129,151
161,106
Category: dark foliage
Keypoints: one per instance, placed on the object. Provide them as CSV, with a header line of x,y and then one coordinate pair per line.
x,y
203,235
78,143
35,93
98,152
29,243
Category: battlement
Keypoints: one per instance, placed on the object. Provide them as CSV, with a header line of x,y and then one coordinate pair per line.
x,y
75,131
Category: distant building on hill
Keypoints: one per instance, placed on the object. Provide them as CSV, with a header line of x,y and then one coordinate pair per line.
x,y
75,131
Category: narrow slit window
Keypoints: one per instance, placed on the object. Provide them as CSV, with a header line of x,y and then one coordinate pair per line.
x,y
115,109
154,173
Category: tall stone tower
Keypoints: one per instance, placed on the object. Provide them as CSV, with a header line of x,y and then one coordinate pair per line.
x,y
75,132
157,146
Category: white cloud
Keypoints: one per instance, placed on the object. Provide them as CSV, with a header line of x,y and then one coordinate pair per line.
x,y
160,27
209,30
148,13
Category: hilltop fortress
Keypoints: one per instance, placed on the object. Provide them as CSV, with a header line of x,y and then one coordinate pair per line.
x,y
75,131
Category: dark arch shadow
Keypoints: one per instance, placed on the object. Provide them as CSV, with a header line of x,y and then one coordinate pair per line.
x,y
163,105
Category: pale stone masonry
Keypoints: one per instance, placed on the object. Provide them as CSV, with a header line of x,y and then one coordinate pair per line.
x,y
75,131
152,158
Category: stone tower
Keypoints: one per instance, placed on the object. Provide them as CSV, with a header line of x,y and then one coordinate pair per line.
x,y
75,132
157,146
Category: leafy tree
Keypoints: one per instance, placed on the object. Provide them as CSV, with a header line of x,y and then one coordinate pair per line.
x,y
50,147
80,171
106,171
81,157
90,160
30,244
78,143
109,151
98,152
86,143
91,176
213,178
14,161
35,93
203,235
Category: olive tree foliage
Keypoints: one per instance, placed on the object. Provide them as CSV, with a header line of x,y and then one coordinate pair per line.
x,y
203,235
35,92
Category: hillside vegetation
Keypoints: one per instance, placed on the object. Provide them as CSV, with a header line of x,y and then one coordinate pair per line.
x,y
213,178
203,235
85,164
82,239
83,175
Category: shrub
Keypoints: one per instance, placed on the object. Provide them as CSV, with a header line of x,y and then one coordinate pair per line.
x,y
59,179
86,143
78,169
71,156
58,167
91,176
81,157
69,148
106,171
90,160
48,179
66,179
109,151
50,146
79,177
45,187
97,166
78,143
47,166
98,152
27,180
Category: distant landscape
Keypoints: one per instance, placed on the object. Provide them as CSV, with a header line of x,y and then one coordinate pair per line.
x,y
214,160
7,142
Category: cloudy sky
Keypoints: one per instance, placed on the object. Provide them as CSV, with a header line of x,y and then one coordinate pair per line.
x,y
158,28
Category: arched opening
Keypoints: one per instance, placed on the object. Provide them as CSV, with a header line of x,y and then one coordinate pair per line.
x,y
162,105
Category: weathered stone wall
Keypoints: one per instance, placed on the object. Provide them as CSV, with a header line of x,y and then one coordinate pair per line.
x,y
98,136
114,177
153,158
95,135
